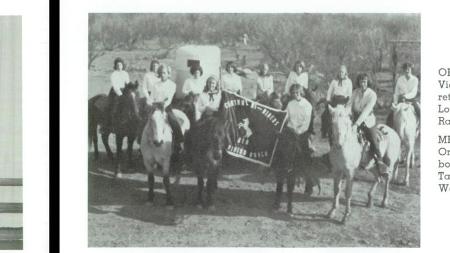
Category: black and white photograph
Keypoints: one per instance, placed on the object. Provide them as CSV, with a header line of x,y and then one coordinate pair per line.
x,y
11,220
250,130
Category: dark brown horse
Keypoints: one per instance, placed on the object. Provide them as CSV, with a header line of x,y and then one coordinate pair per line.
x,y
274,100
187,105
291,159
125,122
205,144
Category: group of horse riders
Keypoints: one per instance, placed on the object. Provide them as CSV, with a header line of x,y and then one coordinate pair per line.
x,y
158,88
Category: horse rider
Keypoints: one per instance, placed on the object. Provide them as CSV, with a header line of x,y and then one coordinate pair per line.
x,y
119,78
163,92
339,92
195,84
150,78
264,82
209,100
298,76
299,118
230,81
406,89
362,104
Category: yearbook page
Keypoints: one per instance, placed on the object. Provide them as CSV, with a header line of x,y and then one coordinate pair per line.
x,y
254,126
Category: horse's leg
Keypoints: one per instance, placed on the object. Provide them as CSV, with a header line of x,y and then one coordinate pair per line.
x,y
166,181
309,185
105,140
95,141
385,201
151,185
130,143
395,172
200,186
119,142
93,137
337,190
279,191
348,197
408,165
370,194
211,186
290,190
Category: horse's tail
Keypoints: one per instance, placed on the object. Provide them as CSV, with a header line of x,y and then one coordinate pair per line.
x,y
95,106
92,124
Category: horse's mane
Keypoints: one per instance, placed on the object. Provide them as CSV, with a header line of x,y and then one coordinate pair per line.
x,y
341,112
206,128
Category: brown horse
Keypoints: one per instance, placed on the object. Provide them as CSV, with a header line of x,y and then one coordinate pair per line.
x,y
125,122
205,144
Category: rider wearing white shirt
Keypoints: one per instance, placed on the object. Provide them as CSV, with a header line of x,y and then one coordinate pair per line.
x,y
230,81
299,119
339,92
118,80
264,81
297,76
163,92
195,84
209,100
406,89
299,115
362,103
150,78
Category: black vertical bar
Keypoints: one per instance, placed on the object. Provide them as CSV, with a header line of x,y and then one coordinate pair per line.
x,y
54,125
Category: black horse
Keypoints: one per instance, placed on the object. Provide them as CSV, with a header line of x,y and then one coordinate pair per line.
x,y
291,161
205,144
125,122
274,100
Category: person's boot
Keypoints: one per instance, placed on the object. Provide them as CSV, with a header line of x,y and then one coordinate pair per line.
x,y
381,166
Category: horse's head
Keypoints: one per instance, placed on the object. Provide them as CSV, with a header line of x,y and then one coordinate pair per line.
x,y
187,105
131,87
157,122
217,140
275,100
285,100
128,111
341,124
264,98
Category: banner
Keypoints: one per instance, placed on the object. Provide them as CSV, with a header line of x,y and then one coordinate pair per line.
x,y
253,128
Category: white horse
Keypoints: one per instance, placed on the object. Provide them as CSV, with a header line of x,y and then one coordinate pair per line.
x,y
346,155
157,147
389,145
405,124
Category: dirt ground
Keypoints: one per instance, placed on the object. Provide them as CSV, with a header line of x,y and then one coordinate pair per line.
x,y
119,217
